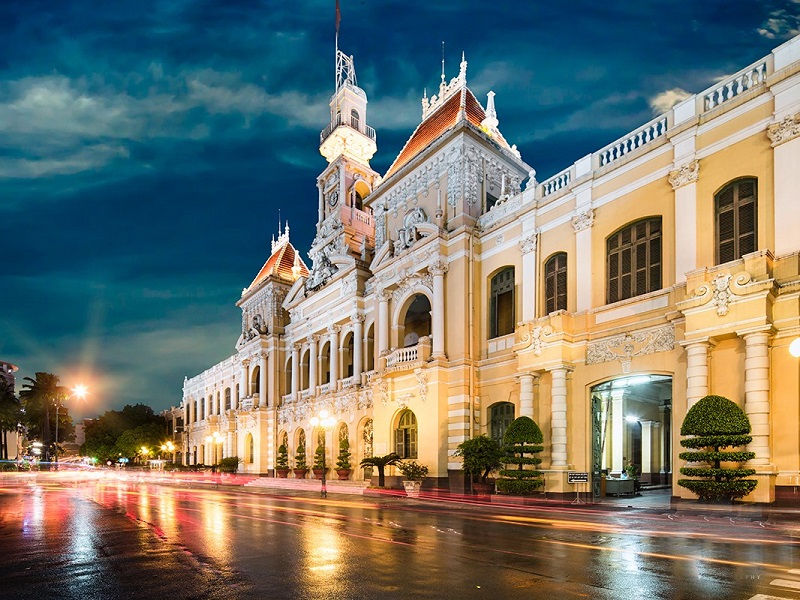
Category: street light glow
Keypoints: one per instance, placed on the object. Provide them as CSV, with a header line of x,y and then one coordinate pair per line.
x,y
80,391
794,348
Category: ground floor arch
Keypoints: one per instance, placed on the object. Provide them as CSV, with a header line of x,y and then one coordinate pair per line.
x,y
631,420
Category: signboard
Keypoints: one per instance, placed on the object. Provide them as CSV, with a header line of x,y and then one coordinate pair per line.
x,y
577,477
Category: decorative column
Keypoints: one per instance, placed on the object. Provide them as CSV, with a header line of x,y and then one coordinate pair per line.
x,y
358,346
617,431
312,363
582,224
438,269
756,393
262,380
244,388
647,449
383,322
272,385
696,370
528,248
785,138
295,371
526,395
664,448
558,417
334,333
684,183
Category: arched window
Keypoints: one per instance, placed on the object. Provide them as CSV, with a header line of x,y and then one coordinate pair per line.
x,y
370,350
500,417
634,260
324,372
228,399
255,380
219,403
305,370
555,283
735,217
347,355
287,384
417,321
354,120
501,309
405,436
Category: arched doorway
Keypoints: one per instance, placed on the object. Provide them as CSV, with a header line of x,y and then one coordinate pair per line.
x,y
632,427
417,320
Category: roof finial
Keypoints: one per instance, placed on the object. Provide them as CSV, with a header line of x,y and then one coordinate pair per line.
x,y
490,122
442,62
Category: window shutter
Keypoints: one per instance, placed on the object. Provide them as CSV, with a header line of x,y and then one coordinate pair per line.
x,y
399,443
736,219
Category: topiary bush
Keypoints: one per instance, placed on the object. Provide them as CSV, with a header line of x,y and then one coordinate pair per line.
x,y
521,443
343,458
282,460
319,458
300,458
716,423
481,455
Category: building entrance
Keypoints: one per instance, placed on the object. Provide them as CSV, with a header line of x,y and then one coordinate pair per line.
x,y
631,430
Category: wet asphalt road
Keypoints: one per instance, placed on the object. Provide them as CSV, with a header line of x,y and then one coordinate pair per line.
x,y
71,537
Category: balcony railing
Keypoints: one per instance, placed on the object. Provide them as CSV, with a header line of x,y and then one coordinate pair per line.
x,y
338,120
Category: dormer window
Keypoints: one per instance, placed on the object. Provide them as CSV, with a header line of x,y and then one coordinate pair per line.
x,y
354,120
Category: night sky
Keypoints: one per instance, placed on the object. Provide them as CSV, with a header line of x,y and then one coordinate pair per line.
x,y
147,147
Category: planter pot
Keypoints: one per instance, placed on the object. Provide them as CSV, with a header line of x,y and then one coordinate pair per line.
x,y
482,489
343,474
283,473
318,473
412,488
300,473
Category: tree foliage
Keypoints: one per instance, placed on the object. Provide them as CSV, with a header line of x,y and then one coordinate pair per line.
x,y
343,458
481,455
380,463
716,423
10,415
104,433
40,396
282,460
521,443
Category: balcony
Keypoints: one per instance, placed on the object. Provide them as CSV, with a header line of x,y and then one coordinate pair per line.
x,y
401,358
339,120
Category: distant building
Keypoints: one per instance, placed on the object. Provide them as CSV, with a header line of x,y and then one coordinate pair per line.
x,y
175,423
457,292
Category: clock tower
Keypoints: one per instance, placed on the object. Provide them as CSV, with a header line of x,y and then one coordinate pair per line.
x,y
344,225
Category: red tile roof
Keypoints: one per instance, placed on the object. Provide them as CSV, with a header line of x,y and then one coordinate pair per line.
x,y
280,265
432,128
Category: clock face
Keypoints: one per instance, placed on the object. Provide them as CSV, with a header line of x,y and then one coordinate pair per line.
x,y
333,198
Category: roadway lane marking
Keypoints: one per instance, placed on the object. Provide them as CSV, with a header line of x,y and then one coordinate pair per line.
x,y
766,597
785,583
794,571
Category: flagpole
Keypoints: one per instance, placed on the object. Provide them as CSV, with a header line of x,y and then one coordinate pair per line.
x,y
336,56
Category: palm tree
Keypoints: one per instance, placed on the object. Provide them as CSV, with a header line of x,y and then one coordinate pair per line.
x,y
39,396
380,462
9,415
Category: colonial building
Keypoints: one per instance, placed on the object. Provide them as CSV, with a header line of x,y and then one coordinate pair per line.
x,y
456,292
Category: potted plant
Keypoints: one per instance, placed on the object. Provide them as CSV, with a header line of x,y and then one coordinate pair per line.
x,y
522,442
380,463
300,465
282,462
413,472
343,460
319,461
481,455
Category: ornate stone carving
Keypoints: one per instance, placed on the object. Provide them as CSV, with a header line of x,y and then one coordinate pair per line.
x,y
719,290
422,383
438,267
383,391
528,244
583,220
408,234
359,317
785,130
409,282
685,174
624,347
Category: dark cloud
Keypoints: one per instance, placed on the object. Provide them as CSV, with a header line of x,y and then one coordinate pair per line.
x,y
149,145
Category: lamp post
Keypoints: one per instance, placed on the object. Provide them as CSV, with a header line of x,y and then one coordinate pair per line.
x,y
79,391
214,439
326,422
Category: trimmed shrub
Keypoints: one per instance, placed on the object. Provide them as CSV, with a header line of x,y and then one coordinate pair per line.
x,y
229,464
343,458
481,455
521,443
300,458
319,458
282,460
716,423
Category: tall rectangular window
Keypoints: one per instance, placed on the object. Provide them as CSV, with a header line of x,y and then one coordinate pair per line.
x,y
501,309
633,260
555,283
735,216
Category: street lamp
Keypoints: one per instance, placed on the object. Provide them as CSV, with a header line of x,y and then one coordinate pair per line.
x,y
80,391
168,447
794,348
214,439
326,422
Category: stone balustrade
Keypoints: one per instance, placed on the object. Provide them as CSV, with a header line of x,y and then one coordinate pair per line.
x,y
556,182
640,137
734,85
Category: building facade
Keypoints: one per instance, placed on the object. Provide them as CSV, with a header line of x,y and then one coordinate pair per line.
x,y
456,292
